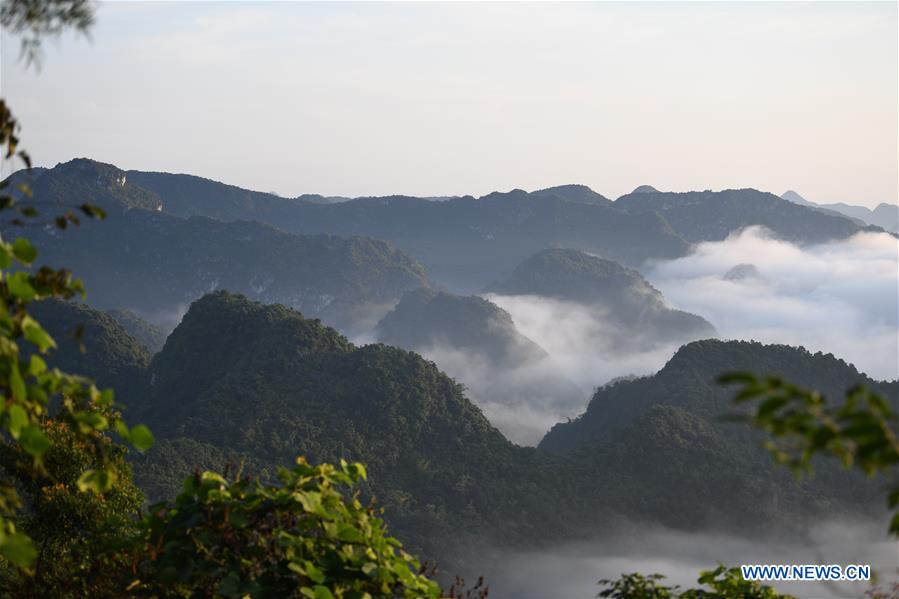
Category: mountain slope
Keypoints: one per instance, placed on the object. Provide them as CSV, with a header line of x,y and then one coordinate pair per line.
x,y
155,264
712,216
688,381
509,376
885,216
111,356
147,334
625,297
426,318
274,385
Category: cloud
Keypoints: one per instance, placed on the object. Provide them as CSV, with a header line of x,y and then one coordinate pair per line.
x,y
573,570
839,297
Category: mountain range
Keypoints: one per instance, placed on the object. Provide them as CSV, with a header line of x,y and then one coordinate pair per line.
x,y
885,216
465,243
620,295
242,382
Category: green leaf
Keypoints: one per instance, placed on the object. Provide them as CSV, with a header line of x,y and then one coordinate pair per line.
x,y
36,365
34,441
322,592
142,438
24,251
18,418
20,286
36,334
18,549
17,385
97,481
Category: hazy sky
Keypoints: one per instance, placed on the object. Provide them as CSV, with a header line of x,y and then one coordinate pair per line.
x,y
445,99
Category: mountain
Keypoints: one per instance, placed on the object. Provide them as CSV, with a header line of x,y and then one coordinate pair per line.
x,y
511,378
275,385
147,334
104,351
155,264
711,216
464,242
669,432
645,189
82,180
574,193
425,317
245,385
688,381
885,216
623,296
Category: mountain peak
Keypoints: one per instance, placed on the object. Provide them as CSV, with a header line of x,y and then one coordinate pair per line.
x,y
574,192
792,196
646,189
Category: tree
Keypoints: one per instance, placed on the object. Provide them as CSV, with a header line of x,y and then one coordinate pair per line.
x,y
299,538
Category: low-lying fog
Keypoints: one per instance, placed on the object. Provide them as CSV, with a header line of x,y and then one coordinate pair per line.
x,y
839,297
572,571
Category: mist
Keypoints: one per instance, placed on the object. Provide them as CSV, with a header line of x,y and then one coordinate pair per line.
x,y
839,297
573,570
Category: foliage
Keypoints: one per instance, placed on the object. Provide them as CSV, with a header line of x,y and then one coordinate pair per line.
x,y
713,215
78,535
622,293
33,392
861,431
35,19
720,583
299,538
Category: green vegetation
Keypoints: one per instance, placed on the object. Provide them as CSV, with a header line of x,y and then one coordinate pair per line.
x,y
622,294
426,318
720,583
150,336
713,215
156,264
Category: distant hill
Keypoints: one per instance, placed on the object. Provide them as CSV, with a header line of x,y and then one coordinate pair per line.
x,y
574,193
82,180
464,242
621,293
274,385
239,382
426,317
885,216
713,215
688,380
147,334
111,356
155,264
475,341
670,429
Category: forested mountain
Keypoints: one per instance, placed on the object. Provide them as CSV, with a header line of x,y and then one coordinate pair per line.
x,y
94,344
688,381
147,334
884,215
671,428
155,264
241,382
465,242
427,318
476,342
712,216
82,180
262,381
621,294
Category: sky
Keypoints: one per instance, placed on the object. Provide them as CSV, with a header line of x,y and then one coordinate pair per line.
x,y
453,99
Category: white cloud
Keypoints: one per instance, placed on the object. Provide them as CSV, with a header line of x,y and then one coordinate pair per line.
x,y
838,297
